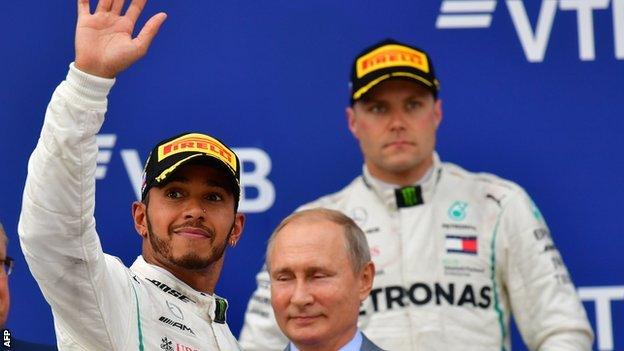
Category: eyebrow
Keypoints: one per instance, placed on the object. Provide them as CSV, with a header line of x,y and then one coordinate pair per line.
x,y
307,270
183,179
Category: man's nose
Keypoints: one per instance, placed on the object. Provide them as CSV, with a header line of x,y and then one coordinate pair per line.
x,y
194,208
301,295
397,119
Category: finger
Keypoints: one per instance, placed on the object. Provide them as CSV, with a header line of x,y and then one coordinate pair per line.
x,y
117,6
134,10
104,6
149,31
83,8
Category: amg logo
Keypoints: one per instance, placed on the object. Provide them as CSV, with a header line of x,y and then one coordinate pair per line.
x,y
164,287
176,324
391,297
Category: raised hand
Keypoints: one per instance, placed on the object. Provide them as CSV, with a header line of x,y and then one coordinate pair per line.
x,y
104,43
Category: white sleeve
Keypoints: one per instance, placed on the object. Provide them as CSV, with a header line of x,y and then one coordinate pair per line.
x,y
260,330
87,290
545,305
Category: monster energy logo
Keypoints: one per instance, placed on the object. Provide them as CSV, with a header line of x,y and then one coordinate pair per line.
x,y
408,196
220,310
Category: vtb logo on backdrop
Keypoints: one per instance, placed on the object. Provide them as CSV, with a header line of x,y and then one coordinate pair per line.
x,y
255,178
457,14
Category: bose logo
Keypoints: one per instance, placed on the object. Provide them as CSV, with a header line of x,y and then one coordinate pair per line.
x,y
255,168
457,14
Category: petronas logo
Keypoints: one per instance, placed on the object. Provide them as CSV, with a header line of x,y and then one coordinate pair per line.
x,y
457,211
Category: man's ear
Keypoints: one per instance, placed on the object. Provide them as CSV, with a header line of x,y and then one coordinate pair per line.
x,y
366,280
351,120
139,215
237,229
437,112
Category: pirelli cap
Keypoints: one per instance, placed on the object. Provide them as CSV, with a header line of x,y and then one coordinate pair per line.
x,y
391,59
169,154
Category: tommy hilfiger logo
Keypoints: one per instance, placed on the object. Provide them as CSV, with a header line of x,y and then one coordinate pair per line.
x,y
461,244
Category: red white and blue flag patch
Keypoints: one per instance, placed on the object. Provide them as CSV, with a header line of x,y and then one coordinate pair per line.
x,y
461,244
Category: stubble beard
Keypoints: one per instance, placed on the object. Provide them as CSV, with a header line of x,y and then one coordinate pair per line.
x,y
190,260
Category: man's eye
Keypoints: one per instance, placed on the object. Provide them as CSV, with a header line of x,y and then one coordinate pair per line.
x,y
319,275
282,278
377,109
413,105
214,197
174,194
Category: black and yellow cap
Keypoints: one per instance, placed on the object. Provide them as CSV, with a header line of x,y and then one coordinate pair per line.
x,y
169,154
391,59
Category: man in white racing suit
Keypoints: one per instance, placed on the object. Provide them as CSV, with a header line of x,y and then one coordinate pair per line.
x,y
457,253
187,216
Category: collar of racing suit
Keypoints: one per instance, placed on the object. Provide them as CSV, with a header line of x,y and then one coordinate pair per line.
x,y
211,304
388,192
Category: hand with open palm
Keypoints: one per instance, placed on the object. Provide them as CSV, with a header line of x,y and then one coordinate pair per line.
x,y
104,43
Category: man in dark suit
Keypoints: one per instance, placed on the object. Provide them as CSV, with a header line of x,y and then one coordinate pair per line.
x,y
321,270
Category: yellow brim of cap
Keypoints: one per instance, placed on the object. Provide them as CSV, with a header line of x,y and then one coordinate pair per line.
x,y
363,90
164,174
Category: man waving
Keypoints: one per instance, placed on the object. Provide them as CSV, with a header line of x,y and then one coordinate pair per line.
x,y
187,215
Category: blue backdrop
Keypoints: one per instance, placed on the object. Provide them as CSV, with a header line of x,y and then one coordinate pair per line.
x,y
531,90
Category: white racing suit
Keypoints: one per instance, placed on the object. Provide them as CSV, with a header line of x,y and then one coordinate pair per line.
x,y
451,270
97,302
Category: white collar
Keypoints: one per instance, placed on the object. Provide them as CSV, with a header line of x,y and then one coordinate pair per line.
x,y
204,303
385,191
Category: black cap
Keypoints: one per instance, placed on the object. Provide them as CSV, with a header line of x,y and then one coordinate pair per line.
x,y
391,59
176,151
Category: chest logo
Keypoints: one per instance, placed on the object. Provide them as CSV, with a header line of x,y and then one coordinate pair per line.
x,y
166,344
359,215
175,310
461,244
457,211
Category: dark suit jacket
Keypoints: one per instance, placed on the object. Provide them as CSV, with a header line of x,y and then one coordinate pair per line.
x,y
367,345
